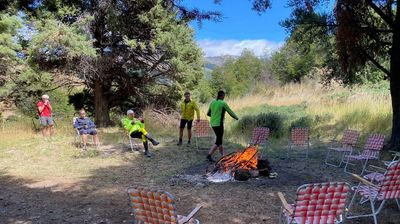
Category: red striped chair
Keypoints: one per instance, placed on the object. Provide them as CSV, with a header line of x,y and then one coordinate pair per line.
x,y
316,204
157,207
202,130
260,136
347,144
300,139
372,148
388,189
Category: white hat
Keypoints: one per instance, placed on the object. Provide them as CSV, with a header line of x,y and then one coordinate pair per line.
x,y
129,112
45,96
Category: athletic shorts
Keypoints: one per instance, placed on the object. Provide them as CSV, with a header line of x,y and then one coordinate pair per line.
x,y
46,120
87,132
219,133
183,124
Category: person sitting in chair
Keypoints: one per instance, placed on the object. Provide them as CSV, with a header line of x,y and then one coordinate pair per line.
x,y
86,127
134,125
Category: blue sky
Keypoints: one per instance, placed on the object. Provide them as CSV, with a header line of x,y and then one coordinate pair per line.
x,y
240,27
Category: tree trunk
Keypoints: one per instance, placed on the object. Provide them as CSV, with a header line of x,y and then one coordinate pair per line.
x,y
395,90
101,105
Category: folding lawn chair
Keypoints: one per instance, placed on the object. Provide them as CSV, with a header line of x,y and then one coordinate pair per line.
x,y
299,139
157,207
347,144
377,176
78,138
316,204
260,136
201,129
134,143
372,148
387,189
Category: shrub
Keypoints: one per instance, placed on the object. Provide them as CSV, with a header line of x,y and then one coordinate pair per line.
x,y
302,122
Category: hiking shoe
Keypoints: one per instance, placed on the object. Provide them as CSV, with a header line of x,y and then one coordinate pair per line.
x,y
210,159
179,143
147,154
154,142
188,143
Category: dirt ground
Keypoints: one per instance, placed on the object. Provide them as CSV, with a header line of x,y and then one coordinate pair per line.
x,y
102,197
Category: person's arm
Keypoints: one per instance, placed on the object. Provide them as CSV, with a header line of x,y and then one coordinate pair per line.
x,y
49,106
196,108
126,123
91,124
76,124
230,112
40,107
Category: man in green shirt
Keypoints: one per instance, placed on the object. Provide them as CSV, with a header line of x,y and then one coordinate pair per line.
x,y
134,125
188,107
216,111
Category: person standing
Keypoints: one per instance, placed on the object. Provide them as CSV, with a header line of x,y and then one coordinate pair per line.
x,y
188,107
134,125
86,127
45,115
216,111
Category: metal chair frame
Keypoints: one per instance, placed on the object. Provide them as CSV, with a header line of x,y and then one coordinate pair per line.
x,y
347,144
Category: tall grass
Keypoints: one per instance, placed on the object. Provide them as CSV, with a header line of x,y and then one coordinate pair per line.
x,y
329,110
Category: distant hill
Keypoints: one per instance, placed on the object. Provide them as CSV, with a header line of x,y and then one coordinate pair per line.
x,y
212,62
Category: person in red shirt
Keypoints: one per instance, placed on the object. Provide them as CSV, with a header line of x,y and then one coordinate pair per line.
x,y
46,120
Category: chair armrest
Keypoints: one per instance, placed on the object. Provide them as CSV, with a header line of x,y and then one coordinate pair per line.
x,y
364,181
284,203
378,168
191,214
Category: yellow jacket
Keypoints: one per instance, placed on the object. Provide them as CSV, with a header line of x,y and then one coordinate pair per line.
x,y
188,109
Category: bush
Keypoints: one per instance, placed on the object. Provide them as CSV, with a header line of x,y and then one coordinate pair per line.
x,y
274,121
302,122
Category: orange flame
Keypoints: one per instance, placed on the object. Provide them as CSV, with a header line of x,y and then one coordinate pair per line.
x,y
238,160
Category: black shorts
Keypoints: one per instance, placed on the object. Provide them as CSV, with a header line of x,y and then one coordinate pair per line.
x,y
219,133
183,124
136,134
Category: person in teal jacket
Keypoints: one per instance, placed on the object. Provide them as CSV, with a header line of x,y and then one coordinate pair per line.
x,y
134,125
216,111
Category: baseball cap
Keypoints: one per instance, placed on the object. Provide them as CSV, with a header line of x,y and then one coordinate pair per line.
x,y
129,112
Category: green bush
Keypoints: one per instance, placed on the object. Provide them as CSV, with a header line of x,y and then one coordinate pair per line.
x,y
302,122
274,121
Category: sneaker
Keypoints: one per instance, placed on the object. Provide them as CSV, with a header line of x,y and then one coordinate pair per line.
x,y
188,143
209,158
147,154
154,142
85,148
179,143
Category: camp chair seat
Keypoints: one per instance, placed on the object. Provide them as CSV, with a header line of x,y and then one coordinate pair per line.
x,y
260,136
387,189
201,130
347,144
157,207
372,148
316,203
299,138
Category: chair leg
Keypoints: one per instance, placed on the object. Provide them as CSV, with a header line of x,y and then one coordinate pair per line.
x,y
345,167
364,166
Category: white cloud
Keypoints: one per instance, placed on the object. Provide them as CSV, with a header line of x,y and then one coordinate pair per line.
x,y
212,48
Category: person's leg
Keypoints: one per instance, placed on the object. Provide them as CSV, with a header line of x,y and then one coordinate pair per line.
x,y
221,150
189,130
95,137
181,128
43,124
221,147
180,136
50,122
217,144
148,137
84,140
140,135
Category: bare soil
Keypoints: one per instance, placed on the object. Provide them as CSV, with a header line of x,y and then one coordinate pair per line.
x,y
102,197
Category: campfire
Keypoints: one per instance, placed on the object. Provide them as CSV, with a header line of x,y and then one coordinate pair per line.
x,y
240,165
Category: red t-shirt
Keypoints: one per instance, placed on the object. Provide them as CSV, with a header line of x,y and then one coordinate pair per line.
x,y
46,112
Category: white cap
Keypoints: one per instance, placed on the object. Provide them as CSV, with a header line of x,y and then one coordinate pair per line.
x,y
45,96
129,112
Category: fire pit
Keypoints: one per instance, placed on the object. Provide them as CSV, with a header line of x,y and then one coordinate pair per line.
x,y
240,165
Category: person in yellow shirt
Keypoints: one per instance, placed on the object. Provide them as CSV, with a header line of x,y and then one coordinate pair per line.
x,y
188,107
